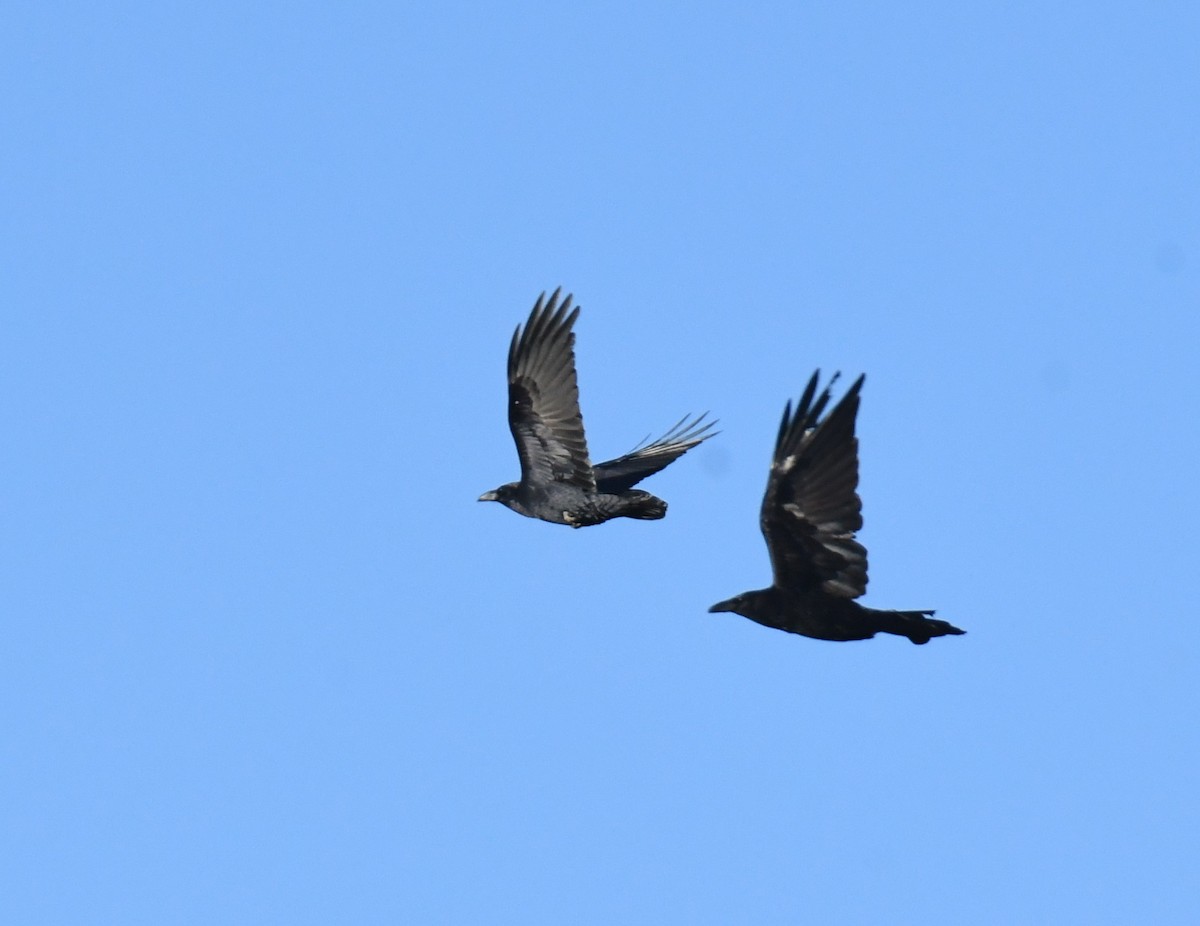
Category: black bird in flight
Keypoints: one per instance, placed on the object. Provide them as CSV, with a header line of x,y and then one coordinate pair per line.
x,y
809,515
558,482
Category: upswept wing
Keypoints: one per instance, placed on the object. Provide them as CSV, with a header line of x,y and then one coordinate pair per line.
x,y
811,509
646,459
543,398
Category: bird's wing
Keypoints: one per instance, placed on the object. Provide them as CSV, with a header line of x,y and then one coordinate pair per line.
x,y
646,459
811,508
543,398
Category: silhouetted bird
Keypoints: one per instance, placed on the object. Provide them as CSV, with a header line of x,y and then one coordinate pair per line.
x,y
558,482
809,515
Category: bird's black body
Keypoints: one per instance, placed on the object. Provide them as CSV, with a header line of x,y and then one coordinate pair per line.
x,y
561,504
810,513
558,482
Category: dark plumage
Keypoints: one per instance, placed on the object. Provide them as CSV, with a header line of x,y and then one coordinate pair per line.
x,y
809,515
558,482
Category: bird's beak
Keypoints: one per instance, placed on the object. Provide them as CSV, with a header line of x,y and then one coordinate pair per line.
x,y
721,606
488,497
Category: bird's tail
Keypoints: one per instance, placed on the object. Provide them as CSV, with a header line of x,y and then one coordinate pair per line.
x,y
642,505
918,626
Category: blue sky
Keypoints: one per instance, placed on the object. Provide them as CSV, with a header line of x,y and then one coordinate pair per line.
x,y
265,658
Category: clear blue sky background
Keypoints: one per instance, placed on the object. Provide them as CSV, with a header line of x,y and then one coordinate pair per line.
x,y
266,660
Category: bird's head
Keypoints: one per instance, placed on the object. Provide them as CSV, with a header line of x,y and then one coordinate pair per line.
x,y
504,494
738,604
753,604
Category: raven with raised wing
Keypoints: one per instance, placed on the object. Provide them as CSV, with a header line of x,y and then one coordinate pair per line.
x,y
558,482
809,516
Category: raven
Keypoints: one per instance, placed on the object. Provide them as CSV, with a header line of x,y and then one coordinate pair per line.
x,y
558,483
809,515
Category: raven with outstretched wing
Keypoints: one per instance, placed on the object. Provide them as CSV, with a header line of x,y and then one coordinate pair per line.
x,y
558,482
810,514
